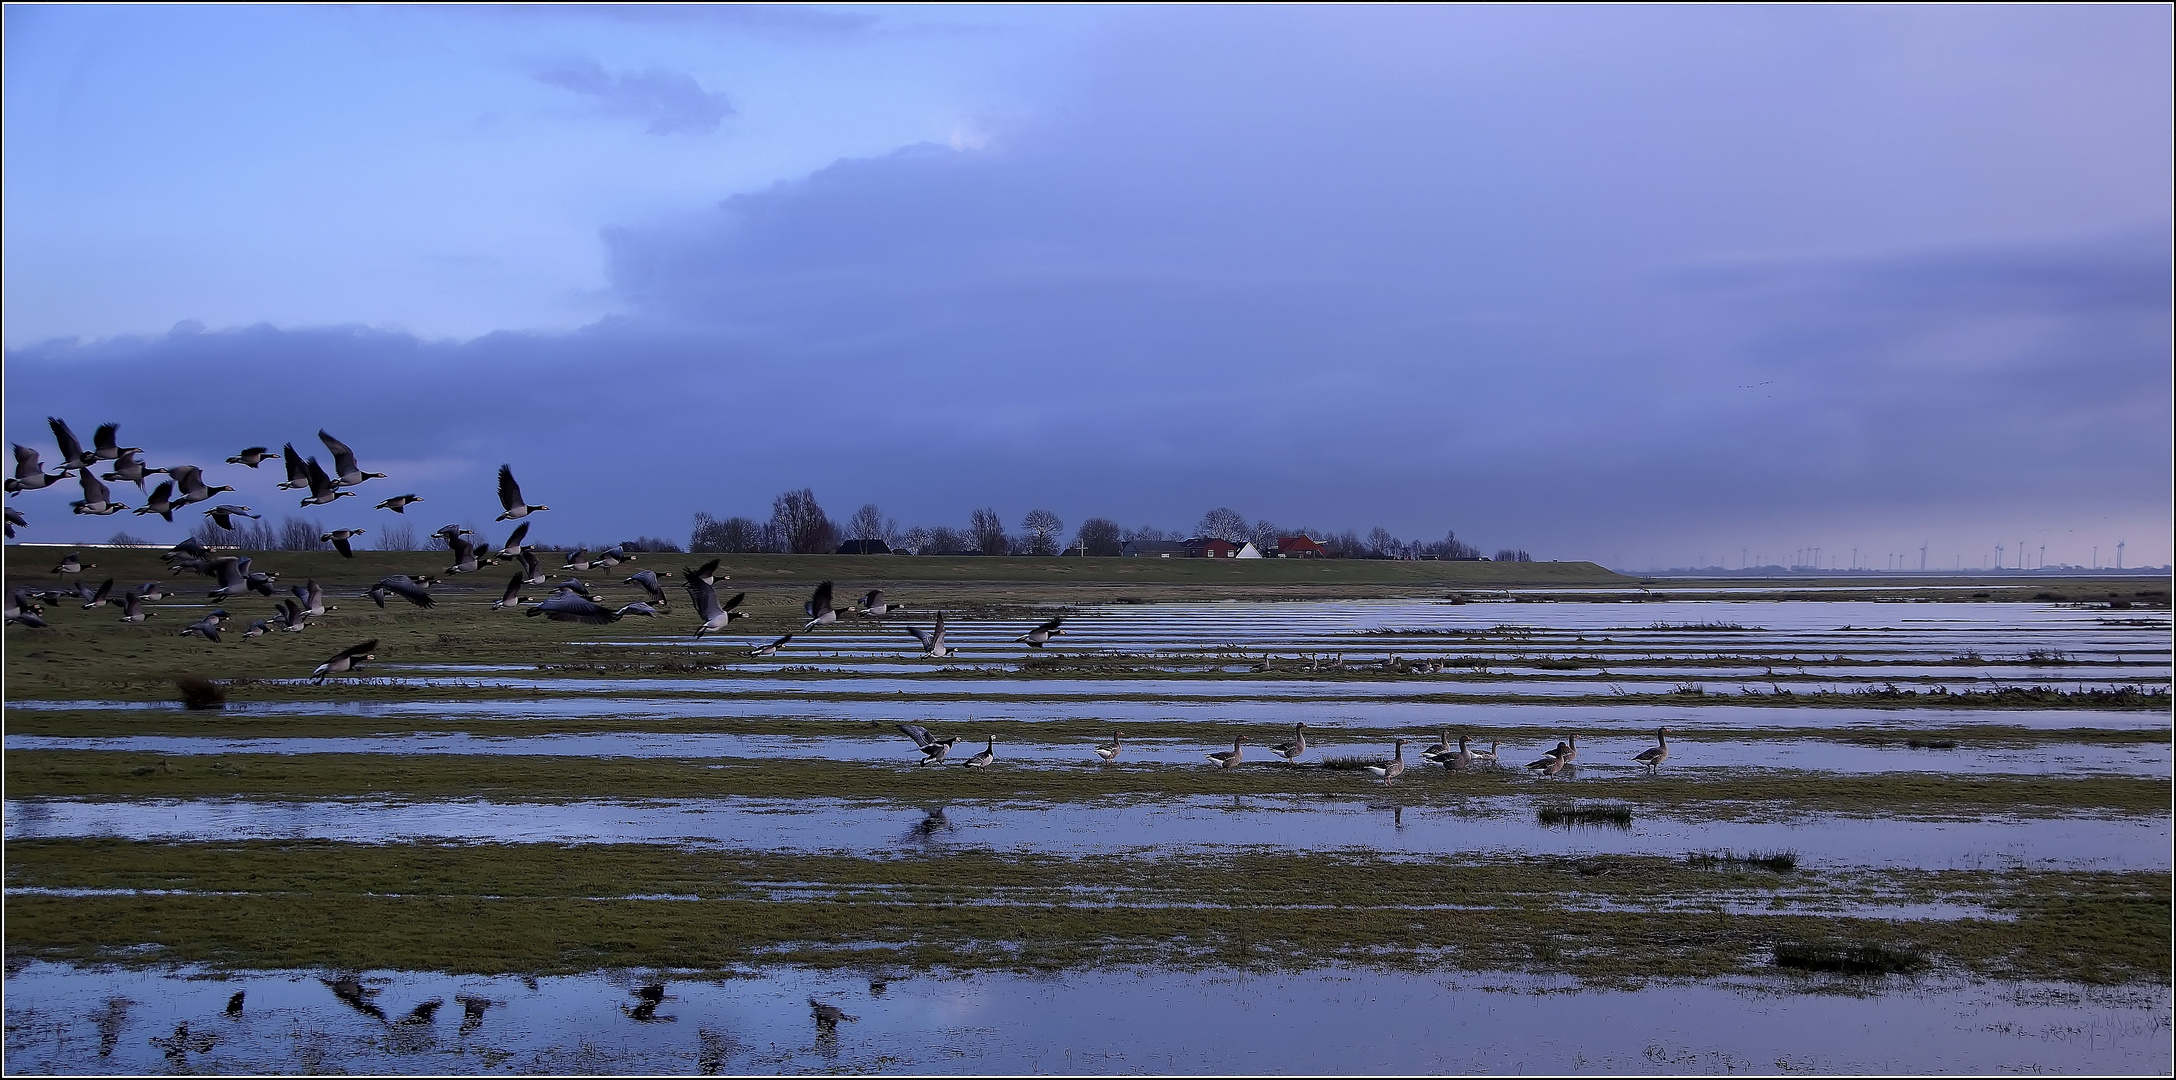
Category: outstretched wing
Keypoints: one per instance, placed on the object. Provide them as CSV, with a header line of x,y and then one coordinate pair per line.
x,y
704,596
513,542
917,732
509,491
298,474
819,602
408,590
364,649
343,459
71,449
927,639
107,438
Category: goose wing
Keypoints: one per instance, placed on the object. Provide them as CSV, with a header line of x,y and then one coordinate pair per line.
x,y
704,596
364,649
406,588
927,638
321,485
581,609
189,480
819,602
94,489
343,459
71,449
917,732
512,547
509,491
105,442
233,575
708,572
513,590
298,474
27,463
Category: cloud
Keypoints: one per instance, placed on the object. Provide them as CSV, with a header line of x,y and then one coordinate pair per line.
x,y
672,101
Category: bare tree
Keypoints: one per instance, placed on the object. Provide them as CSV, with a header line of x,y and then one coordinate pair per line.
x,y
649,543
1382,545
123,539
1042,528
1513,555
301,534
735,535
1224,523
865,526
400,536
1145,532
944,540
1098,536
801,525
988,531
1451,547
915,541
1265,534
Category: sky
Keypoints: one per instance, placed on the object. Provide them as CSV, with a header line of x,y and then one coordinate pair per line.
x,y
1647,286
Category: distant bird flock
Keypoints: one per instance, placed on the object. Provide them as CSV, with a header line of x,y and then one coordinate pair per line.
x,y
569,600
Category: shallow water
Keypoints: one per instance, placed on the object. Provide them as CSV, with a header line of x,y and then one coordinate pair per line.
x,y
1115,1020
1375,819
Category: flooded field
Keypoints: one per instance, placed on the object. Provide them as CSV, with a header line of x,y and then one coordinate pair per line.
x,y
1941,785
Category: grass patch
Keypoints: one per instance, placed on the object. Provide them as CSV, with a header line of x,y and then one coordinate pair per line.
x,y
198,692
1864,959
1918,743
1350,762
1780,862
1617,815
1703,627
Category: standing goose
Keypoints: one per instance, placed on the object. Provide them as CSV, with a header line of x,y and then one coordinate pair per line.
x,y
72,456
1392,769
932,639
933,749
160,502
208,626
715,616
984,756
398,504
106,446
339,538
510,497
130,468
96,501
1550,758
1037,637
1291,751
1571,749
223,515
1109,751
345,660
772,648
819,609
251,456
1656,754
345,471
1460,761
298,471
1225,759
1488,756
323,491
30,474
1442,746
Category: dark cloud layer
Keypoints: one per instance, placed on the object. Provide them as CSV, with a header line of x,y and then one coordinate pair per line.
x,y
672,101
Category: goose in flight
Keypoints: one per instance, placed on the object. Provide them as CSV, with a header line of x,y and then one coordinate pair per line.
x,y
15,518
1109,751
932,639
96,501
312,596
72,456
132,608
647,581
403,586
106,445
706,573
130,468
579,561
984,756
251,456
160,502
397,504
873,604
237,579
772,648
510,497
1392,769
1037,637
819,609
290,617
72,563
345,472
466,559
532,568
339,538
716,616
613,556
639,608
189,480
298,471
933,749
566,607
345,660
323,490
512,598
153,591
1291,751
223,515
1225,759
1650,757
98,598
30,474
512,548
208,626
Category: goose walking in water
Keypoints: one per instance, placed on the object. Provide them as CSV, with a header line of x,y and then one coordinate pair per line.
x,y
984,756
1486,757
1291,751
1109,751
510,497
1656,754
1442,746
1550,758
1225,759
1392,769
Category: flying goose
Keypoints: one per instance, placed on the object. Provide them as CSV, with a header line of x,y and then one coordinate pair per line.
x,y
30,474
403,586
647,581
72,456
1037,637
98,599
160,502
106,446
1291,751
72,563
578,562
208,626
984,756
1550,757
706,573
639,608
27,618
532,569
512,548
189,480
512,598
298,471
819,609
1656,754
344,470
716,616
21,600
465,559
397,504
1225,759
312,596
772,648
570,608
96,501
345,660
237,579
132,608
613,556
223,515
1392,769
1109,751
323,490
15,517
873,604
510,497
932,639
257,628
251,456
291,617
128,467
933,749
339,538
153,591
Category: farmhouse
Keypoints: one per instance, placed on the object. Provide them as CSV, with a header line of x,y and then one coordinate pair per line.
x,y
1299,547
871,546
1153,549
1210,547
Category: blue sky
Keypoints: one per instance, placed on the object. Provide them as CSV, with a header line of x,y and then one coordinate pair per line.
x,y
1636,285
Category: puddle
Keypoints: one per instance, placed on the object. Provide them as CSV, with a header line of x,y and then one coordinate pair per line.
x,y
1125,1020
1373,820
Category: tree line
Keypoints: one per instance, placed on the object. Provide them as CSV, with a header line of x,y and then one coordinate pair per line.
x,y
798,524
